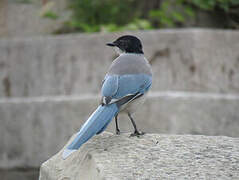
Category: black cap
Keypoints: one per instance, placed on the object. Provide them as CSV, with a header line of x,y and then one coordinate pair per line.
x,y
128,44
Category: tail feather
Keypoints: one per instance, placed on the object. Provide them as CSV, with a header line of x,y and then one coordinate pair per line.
x,y
96,124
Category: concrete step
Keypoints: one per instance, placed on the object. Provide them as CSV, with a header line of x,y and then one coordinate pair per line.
x,y
19,173
38,127
152,156
198,60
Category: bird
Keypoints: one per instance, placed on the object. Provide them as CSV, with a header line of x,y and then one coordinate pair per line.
x,y
123,90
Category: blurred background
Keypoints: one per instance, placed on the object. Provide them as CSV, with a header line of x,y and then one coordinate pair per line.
x,y
48,48
34,17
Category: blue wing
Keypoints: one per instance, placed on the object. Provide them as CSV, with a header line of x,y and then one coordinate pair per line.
x,y
118,86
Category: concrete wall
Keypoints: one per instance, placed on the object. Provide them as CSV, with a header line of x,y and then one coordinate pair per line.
x,y
3,8
183,60
21,19
50,85
19,174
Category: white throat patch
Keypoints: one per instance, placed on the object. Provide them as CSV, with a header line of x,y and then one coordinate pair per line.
x,y
118,50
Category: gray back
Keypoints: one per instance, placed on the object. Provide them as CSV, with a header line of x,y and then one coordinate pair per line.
x,y
130,64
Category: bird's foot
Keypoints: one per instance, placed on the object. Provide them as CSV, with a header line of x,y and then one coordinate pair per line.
x,y
137,133
117,132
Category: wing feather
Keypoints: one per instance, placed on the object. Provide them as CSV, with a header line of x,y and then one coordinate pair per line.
x,y
123,88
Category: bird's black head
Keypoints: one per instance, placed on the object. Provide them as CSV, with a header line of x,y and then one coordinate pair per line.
x,y
128,44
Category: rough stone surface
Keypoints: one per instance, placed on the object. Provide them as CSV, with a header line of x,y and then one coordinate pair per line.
x,y
183,60
152,156
39,127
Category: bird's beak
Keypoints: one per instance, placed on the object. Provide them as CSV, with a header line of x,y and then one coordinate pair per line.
x,y
111,44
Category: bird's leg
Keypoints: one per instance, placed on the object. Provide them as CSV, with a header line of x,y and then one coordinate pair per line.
x,y
136,132
117,131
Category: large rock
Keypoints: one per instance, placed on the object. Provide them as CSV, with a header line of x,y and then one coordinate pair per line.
x,y
152,156
39,127
183,60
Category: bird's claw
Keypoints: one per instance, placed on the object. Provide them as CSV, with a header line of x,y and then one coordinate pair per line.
x,y
117,132
137,133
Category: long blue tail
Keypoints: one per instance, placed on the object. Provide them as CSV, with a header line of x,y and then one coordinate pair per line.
x,y
96,124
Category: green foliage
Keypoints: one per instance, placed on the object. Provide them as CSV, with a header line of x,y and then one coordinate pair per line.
x,y
229,8
134,25
50,15
121,15
24,1
108,15
171,13
212,4
175,12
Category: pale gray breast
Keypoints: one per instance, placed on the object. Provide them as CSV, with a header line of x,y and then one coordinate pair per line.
x,y
130,64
